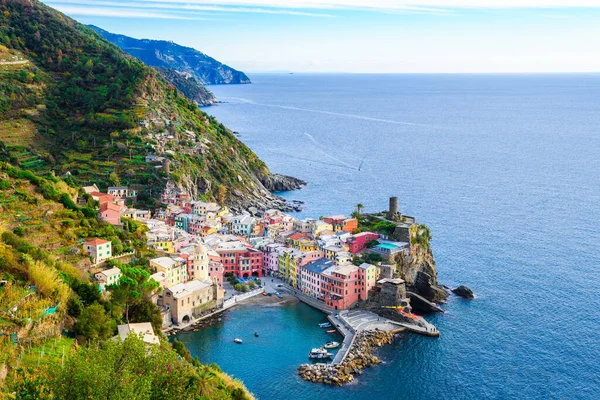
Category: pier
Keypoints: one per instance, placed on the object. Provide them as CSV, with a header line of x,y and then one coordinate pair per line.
x,y
349,322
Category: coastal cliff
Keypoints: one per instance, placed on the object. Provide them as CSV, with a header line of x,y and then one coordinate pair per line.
x,y
420,274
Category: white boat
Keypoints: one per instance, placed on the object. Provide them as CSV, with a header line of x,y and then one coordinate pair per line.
x,y
318,354
325,325
332,345
238,340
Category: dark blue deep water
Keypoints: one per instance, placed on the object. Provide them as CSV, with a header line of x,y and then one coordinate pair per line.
x,y
505,169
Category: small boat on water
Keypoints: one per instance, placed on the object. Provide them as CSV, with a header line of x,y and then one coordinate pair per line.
x,y
331,331
238,340
279,295
325,325
319,354
332,345
255,334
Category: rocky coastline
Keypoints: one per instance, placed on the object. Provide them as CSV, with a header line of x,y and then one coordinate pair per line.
x,y
359,356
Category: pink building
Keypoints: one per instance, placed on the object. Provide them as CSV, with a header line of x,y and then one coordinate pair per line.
x,y
110,213
215,268
270,255
311,278
340,286
240,260
359,241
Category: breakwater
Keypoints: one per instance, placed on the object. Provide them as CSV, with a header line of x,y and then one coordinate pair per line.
x,y
360,355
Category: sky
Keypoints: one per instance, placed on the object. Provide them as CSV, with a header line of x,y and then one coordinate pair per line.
x,y
365,36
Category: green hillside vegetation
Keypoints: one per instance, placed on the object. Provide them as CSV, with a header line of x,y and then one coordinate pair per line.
x,y
46,291
86,108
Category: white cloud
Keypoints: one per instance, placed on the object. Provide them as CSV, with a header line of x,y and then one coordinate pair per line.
x,y
119,13
179,6
394,4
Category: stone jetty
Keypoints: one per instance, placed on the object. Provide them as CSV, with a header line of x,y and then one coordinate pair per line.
x,y
360,356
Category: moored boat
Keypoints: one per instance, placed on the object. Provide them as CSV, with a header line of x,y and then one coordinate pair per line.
x,y
255,334
332,345
325,325
331,331
238,340
318,354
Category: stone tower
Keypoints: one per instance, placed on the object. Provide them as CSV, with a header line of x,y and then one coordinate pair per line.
x,y
393,210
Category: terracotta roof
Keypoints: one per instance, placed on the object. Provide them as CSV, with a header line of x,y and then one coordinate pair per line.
x,y
110,207
96,242
299,235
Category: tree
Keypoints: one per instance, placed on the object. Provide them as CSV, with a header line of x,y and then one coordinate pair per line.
x,y
252,285
359,208
134,286
146,311
221,194
113,178
94,323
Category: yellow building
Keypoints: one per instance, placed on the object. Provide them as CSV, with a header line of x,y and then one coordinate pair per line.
x,y
287,262
165,245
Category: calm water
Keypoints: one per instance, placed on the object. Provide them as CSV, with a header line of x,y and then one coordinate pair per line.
x,y
506,171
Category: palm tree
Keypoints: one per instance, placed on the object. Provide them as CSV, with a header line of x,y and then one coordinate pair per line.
x,y
359,207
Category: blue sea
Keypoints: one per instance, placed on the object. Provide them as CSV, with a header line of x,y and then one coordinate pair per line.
x,y
505,169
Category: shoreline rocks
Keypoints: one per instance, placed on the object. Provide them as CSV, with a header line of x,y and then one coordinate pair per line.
x,y
281,183
464,292
359,356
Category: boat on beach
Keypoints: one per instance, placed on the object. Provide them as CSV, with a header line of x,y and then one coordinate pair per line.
x,y
319,354
264,293
279,295
238,340
325,325
332,345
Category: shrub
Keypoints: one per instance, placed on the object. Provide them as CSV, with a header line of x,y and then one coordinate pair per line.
x,y
19,231
4,184
251,284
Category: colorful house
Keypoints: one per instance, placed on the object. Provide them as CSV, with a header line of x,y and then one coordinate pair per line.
x,y
358,242
175,269
108,277
98,249
310,277
110,213
368,275
340,286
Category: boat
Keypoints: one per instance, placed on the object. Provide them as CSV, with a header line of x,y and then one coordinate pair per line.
x,y
238,340
332,345
279,295
269,294
264,293
331,331
319,354
325,325
255,334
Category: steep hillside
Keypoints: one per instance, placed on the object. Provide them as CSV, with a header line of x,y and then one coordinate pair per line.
x,y
75,104
45,289
189,86
166,54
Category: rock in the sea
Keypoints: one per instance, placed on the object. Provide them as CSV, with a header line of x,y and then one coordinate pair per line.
x,y
463,291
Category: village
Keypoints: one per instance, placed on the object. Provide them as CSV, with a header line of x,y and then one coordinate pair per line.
x,y
209,257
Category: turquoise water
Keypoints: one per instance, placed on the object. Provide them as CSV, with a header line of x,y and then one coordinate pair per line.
x,y
505,169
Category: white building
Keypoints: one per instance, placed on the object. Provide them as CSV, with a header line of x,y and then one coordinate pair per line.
x,y
98,249
108,277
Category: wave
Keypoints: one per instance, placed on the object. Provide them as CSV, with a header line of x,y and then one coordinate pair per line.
x,y
355,116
